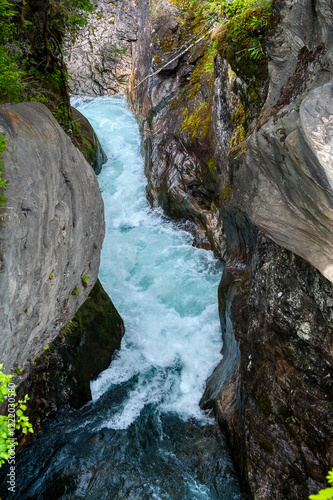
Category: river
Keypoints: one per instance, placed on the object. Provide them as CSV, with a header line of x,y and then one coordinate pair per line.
x,y
143,436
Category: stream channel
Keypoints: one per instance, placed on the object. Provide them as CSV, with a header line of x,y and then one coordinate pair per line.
x,y
143,436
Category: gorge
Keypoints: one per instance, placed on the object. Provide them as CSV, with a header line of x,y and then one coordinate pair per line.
x,y
238,153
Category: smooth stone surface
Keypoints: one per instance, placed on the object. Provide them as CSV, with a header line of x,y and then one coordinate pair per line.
x,y
51,231
285,186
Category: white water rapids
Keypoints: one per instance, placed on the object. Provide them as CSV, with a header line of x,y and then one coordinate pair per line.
x,y
164,289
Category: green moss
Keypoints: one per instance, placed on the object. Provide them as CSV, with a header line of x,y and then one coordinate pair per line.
x,y
198,123
164,42
238,118
242,282
226,193
266,445
211,164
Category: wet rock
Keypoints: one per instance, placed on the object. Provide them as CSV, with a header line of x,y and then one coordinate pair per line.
x,y
177,167
281,411
88,142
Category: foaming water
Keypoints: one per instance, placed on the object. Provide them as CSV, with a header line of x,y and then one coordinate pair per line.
x,y
144,436
165,289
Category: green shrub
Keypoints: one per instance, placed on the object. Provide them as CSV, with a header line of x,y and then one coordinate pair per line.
x,y
84,278
11,85
15,418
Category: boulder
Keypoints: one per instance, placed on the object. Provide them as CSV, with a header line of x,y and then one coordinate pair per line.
x,y
51,232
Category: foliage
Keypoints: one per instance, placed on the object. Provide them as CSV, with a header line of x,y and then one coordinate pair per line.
x,y
66,16
69,327
240,33
11,85
327,493
242,24
31,59
3,183
8,424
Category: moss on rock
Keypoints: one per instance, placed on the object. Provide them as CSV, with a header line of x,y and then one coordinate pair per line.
x,y
60,377
87,141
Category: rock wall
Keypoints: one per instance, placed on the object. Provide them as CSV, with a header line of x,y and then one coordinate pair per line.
x,y
88,142
51,232
100,60
179,163
272,391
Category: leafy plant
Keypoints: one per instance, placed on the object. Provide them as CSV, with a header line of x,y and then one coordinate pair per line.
x,y
15,419
11,84
84,278
327,493
244,27
71,325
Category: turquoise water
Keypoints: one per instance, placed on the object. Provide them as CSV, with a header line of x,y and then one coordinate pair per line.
x,y
143,436
164,289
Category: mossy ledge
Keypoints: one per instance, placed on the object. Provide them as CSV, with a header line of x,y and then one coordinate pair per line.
x,y
60,377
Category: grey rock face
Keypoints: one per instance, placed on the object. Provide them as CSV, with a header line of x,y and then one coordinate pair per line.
x,y
100,60
275,402
284,183
275,307
51,231
276,405
179,179
299,48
